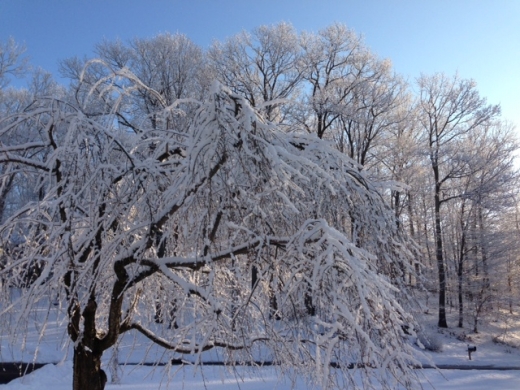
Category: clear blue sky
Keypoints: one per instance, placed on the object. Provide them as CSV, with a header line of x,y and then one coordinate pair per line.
x,y
478,38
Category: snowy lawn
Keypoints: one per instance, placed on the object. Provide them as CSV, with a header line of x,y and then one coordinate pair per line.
x,y
53,346
218,378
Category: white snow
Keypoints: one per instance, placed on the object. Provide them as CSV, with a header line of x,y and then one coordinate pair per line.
x,y
58,377
51,345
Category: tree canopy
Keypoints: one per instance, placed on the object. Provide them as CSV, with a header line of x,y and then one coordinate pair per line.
x,y
240,235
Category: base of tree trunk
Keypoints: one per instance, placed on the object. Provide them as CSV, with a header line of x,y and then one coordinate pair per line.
x,y
442,319
88,374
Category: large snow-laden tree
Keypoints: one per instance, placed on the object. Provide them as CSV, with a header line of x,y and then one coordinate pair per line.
x,y
240,230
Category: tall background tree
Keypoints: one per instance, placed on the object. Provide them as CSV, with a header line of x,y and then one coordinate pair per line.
x,y
450,110
263,66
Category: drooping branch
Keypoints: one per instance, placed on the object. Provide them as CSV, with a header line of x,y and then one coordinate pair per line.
x,y
197,263
187,347
10,158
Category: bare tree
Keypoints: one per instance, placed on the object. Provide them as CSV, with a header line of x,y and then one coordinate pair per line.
x,y
15,189
12,61
377,104
171,66
262,66
494,185
334,62
450,109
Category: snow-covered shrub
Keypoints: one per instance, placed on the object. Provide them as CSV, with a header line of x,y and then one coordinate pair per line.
x,y
429,341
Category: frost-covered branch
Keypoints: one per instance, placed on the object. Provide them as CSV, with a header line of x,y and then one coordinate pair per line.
x,y
230,230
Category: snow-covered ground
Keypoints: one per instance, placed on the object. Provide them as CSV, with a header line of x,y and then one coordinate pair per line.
x,y
53,347
59,377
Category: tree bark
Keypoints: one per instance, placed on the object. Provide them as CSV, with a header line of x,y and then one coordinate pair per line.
x,y
460,280
460,266
439,252
88,374
5,187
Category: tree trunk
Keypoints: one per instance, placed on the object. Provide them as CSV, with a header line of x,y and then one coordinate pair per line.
x,y
460,267
461,301
439,252
460,273
5,187
88,374
483,246
415,265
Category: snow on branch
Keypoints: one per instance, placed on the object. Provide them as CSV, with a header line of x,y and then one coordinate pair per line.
x,y
230,230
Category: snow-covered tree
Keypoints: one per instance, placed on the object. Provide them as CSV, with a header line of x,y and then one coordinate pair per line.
x,y
263,66
12,61
336,66
15,189
373,111
243,230
450,109
169,67
491,189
